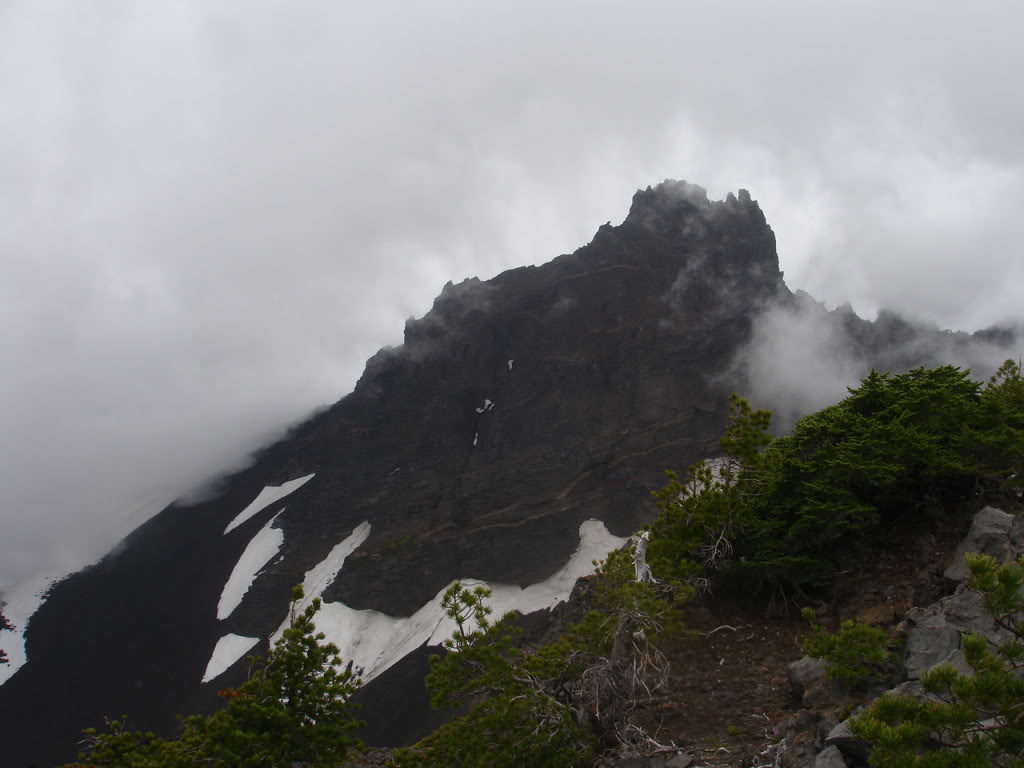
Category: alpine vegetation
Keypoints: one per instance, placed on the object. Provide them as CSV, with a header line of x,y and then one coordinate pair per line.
x,y
293,709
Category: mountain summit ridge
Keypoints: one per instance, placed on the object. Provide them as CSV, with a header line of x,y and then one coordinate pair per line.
x,y
517,409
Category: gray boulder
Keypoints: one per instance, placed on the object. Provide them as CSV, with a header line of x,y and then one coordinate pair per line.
x,y
843,739
989,535
806,673
933,633
930,641
830,757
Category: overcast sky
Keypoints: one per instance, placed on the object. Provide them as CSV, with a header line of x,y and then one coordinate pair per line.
x,y
211,213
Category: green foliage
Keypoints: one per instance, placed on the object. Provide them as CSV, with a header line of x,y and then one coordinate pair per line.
x,y
854,654
527,706
615,593
701,520
746,435
974,719
997,438
505,732
514,719
119,747
784,511
480,654
893,445
294,708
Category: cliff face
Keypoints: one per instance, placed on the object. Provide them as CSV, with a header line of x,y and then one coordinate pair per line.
x,y
516,409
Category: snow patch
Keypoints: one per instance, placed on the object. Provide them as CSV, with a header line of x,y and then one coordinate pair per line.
x,y
260,551
476,438
20,603
510,364
267,496
320,576
228,650
375,641
487,406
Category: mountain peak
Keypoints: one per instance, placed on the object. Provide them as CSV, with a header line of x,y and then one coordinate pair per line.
x,y
516,411
673,201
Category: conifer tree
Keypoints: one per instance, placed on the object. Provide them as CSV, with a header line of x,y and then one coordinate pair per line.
x,y
549,706
294,709
703,518
783,513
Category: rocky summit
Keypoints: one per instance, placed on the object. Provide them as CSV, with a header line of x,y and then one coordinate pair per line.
x,y
513,437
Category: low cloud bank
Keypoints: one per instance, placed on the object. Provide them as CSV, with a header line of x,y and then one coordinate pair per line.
x,y
803,357
213,215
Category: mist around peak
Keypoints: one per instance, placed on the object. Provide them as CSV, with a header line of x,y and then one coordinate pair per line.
x,y
212,218
802,357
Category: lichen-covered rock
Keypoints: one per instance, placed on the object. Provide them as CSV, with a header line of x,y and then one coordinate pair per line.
x,y
989,535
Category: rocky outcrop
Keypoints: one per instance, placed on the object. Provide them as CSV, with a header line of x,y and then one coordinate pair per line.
x,y
933,633
932,636
848,744
989,535
516,409
810,684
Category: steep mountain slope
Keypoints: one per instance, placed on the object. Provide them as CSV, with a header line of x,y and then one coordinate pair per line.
x,y
517,410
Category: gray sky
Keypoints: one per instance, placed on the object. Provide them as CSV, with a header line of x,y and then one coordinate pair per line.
x,y
214,212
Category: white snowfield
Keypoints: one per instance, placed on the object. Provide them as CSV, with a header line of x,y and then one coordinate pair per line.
x,y
375,641
266,497
228,650
260,551
231,648
20,602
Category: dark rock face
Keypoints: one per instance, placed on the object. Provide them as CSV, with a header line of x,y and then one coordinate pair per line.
x,y
516,409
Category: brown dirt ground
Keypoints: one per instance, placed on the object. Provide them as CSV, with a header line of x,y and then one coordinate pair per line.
x,y
728,684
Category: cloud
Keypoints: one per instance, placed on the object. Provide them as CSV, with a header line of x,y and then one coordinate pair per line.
x,y
802,357
213,217
798,360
